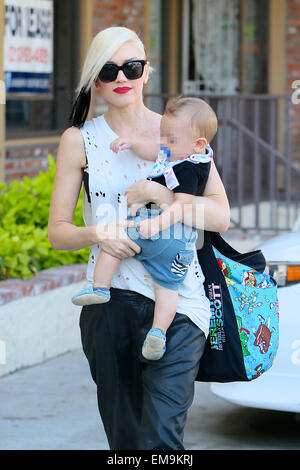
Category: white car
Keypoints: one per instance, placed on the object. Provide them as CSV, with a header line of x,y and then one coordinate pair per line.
x,y
279,387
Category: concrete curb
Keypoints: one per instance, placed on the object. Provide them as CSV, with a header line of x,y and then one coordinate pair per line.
x,y
38,320
48,279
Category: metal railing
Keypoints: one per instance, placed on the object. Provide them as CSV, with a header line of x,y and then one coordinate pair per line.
x,y
252,152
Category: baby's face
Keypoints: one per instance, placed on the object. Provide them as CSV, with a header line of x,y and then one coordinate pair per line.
x,y
178,136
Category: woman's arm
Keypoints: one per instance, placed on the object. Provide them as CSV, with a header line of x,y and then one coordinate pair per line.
x,y
212,208
62,233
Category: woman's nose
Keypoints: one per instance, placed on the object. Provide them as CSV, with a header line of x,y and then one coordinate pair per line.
x,y
121,77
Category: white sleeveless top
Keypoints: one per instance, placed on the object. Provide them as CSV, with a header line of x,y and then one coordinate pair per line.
x,y
109,175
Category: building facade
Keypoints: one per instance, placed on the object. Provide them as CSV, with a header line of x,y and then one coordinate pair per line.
x,y
212,48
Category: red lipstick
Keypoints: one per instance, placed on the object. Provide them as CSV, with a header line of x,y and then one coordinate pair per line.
x,y
122,90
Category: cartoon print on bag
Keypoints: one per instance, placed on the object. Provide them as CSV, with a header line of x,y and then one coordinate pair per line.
x,y
226,271
276,306
224,268
265,284
244,336
263,335
249,279
259,371
248,300
277,309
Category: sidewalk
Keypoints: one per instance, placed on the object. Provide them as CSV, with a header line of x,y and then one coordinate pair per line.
x,y
54,406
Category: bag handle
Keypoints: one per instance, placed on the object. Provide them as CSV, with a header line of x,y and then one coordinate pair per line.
x,y
253,259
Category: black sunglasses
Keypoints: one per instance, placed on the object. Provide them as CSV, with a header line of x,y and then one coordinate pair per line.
x,y
132,70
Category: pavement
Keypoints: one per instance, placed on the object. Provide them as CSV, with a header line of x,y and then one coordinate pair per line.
x,y
53,406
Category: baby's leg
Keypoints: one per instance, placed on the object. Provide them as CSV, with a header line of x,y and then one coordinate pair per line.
x,y
105,268
104,271
166,301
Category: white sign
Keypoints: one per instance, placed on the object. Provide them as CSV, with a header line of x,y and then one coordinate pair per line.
x,y
28,45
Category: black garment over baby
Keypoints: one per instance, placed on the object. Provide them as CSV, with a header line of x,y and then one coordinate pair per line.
x,y
192,178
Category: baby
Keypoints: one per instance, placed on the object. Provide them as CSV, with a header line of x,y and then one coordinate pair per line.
x,y
167,245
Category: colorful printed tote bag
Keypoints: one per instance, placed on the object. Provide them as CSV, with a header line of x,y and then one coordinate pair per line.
x,y
244,326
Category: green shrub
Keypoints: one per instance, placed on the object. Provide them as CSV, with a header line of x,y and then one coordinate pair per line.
x,y
24,210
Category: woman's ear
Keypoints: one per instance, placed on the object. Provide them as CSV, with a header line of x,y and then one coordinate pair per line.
x,y
146,73
200,144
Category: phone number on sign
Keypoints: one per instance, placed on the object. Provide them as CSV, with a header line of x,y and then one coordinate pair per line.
x,y
28,54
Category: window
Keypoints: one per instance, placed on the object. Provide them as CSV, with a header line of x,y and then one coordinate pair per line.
x,y
255,46
225,45
37,114
212,34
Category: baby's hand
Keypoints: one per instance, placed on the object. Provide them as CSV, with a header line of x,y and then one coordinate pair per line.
x,y
149,227
121,143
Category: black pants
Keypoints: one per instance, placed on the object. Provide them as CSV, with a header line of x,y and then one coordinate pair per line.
x,y
143,404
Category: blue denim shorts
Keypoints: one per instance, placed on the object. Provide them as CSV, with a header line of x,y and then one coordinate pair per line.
x,y
168,254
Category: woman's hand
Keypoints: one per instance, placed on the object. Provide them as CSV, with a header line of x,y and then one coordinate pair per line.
x,y
137,195
143,191
114,240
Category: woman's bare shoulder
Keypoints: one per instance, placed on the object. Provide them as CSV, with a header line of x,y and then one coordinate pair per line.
x,y
72,146
72,136
155,117
153,124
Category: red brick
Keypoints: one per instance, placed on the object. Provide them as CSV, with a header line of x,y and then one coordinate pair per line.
x,y
9,166
48,279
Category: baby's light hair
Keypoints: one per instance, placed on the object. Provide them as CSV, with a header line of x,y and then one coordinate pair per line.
x,y
202,117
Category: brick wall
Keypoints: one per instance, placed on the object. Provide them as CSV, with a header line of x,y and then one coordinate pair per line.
x,y
128,13
293,71
26,160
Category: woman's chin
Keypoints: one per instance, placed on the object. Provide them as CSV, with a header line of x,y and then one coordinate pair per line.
x,y
122,100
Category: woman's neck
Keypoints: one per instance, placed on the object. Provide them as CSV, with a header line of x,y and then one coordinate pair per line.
x,y
127,120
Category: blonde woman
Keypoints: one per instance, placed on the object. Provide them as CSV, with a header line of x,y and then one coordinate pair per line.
x,y
143,404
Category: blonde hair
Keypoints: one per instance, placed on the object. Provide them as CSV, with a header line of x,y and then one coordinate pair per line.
x,y
202,117
102,48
